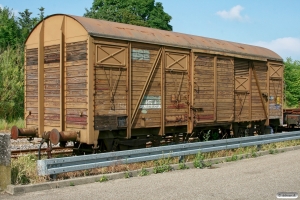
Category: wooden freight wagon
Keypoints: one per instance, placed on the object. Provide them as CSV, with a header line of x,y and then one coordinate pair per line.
x,y
91,80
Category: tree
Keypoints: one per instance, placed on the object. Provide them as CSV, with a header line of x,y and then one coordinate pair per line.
x,y
9,29
137,12
26,24
292,82
13,33
41,15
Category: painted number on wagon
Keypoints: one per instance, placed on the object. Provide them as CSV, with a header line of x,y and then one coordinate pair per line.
x,y
151,102
140,54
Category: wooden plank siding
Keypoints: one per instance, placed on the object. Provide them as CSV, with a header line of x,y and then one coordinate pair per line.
x,y
52,85
204,88
225,87
257,103
275,90
76,98
110,99
142,60
213,89
176,81
31,87
242,90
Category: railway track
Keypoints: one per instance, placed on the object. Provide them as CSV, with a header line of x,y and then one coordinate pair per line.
x,y
34,151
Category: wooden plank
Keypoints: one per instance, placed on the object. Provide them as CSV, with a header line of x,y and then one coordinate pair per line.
x,y
76,105
48,110
75,63
40,81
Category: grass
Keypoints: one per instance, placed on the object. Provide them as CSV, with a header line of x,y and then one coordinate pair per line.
x,y
127,174
5,125
24,167
103,179
198,161
144,172
183,166
162,165
23,171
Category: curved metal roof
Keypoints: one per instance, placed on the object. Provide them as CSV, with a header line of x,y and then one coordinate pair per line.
x,y
107,29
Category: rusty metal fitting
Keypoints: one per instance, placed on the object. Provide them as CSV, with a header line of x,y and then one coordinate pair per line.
x,y
46,135
55,136
23,132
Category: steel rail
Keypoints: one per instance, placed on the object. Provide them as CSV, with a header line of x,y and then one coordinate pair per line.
x,y
68,164
55,151
27,151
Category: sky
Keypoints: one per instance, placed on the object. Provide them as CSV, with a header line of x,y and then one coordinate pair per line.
x,y
274,24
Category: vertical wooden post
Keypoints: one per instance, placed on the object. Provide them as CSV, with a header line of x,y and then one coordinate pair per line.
x,y
24,87
129,97
62,77
282,94
162,93
41,82
92,134
268,92
250,91
5,156
191,93
215,88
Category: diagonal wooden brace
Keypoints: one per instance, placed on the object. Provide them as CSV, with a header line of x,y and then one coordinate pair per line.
x,y
146,85
260,94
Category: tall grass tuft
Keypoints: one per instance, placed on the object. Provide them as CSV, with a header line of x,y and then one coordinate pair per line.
x,y
24,171
6,125
11,83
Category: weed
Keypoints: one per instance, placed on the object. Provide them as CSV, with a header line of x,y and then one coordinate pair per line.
x,y
271,151
144,172
198,161
183,166
23,170
206,136
103,179
276,151
215,135
254,155
208,164
232,158
127,174
6,125
162,165
72,184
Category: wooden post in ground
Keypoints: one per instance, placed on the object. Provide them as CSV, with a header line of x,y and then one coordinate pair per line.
x,y
5,156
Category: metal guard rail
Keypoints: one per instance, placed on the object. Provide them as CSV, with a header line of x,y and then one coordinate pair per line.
x,y
68,164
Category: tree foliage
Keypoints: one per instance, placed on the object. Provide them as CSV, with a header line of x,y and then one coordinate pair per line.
x,y
13,33
9,29
292,82
137,12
